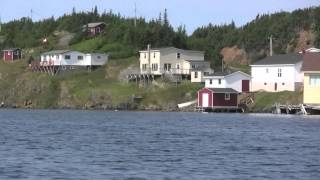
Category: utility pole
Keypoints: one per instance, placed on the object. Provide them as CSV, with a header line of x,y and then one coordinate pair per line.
x,y
0,24
135,15
271,48
31,14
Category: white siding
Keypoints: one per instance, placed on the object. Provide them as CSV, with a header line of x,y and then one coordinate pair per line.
x,y
169,56
86,60
265,77
215,83
233,81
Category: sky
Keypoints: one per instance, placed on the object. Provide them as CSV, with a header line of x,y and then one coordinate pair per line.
x,y
191,13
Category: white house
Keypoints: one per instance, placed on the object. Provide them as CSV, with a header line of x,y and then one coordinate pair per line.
x,y
277,73
170,60
73,58
238,81
199,71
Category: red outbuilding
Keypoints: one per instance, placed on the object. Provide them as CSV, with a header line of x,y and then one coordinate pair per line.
x,y
94,29
11,54
215,98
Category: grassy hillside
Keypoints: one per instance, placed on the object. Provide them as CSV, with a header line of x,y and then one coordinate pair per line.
x,y
265,100
100,88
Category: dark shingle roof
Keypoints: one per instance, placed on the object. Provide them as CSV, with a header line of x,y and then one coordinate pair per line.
x,y
11,49
95,24
311,62
292,58
56,52
224,90
219,74
169,48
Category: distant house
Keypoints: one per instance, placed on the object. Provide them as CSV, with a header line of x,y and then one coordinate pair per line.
x,y
277,73
199,71
11,54
238,81
311,70
70,58
170,60
211,98
95,28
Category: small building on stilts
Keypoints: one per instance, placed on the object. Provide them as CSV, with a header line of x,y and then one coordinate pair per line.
x,y
59,61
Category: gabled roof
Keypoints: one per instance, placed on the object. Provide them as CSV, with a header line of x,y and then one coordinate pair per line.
x,y
94,24
225,74
163,49
55,52
311,62
292,58
219,74
11,49
223,90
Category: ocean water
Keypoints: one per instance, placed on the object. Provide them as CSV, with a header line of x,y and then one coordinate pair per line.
x,y
65,144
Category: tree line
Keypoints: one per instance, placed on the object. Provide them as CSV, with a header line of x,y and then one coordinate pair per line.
x,y
253,37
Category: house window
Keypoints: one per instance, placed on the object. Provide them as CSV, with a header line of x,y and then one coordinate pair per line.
x,y
80,57
283,84
154,55
227,96
167,67
267,70
178,66
279,72
219,81
314,80
145,55
144,67
154,67
193,66
265,84
67,57
99,57
196,75
178,55
205,73
210,82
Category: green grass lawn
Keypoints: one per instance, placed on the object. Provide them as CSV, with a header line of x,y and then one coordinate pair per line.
x,y
265,100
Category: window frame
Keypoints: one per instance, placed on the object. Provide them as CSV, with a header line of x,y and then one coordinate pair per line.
x,y
279,72
178,55
196,74
227,96
67,57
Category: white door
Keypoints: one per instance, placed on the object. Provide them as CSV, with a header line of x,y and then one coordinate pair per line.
x,y
205,100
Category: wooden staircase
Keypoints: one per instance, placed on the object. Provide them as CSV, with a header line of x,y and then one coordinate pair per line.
x,y
246,100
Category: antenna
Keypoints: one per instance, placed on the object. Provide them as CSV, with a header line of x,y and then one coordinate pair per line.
x,y
31,14
135,15
271,49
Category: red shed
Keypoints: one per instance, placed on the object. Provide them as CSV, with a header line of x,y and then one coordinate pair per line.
x,y
217,98
95,28
11,54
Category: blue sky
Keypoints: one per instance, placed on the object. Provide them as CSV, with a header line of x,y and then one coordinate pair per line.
x,y
192,13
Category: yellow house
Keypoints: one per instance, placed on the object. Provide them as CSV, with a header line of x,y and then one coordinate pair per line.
x,y
311,70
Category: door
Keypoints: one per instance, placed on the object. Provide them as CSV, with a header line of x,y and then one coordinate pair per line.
x,y
245,85
205,100
275,87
